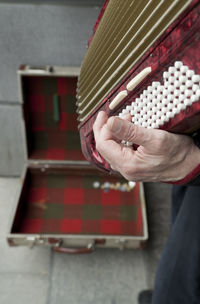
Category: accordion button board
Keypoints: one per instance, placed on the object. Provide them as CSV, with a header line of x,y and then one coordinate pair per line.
x,y
160,102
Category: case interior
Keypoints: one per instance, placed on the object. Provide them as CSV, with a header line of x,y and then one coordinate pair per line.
x,y
60,201
60,198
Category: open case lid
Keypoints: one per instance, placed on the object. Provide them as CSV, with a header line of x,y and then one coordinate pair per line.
x,y
48,96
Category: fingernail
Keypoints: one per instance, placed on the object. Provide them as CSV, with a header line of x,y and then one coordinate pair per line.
x,y
102,114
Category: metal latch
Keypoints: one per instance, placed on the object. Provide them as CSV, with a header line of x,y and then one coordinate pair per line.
x,y
31,240
121,243
47,68
34,240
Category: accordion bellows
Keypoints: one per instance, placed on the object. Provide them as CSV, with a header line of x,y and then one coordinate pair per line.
x,y
131,37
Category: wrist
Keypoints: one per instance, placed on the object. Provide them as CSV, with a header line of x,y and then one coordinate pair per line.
x,y
194,156
190,167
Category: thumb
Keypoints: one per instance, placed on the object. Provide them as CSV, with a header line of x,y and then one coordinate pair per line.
x,y
100,121
126,130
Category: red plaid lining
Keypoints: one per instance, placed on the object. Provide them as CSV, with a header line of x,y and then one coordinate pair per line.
x,y
37,195
73,196
62,89
71,226
111,227
31,225
112,198
38,102
55,154
69,204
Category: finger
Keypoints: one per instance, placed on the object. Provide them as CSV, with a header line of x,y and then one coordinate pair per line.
x,y
113,168
116,154
110,150
127,117
126,130
100,121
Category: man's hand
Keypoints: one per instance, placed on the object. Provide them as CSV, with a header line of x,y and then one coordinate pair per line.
x,y
161,156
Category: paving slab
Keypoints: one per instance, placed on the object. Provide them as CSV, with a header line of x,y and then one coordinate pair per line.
x,y
41,35
23,288
158,201
9,189
23,259
12,147
105,276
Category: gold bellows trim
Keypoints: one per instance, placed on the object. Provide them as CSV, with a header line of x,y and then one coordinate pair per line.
x,y
126,31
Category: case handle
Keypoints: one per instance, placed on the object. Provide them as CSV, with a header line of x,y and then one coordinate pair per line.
x,y
89,249
56,108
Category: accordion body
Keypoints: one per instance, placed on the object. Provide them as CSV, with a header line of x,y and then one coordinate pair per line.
x,y
129,38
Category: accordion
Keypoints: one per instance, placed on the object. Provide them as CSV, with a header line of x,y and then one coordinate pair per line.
x,y
143,59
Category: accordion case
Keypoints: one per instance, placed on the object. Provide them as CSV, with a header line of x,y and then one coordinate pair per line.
x,y
142,59
64,202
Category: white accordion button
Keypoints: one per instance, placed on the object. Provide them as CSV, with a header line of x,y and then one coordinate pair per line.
x,y
176,93
188,93
171,70
183,69
155,93
183,88
188,102
177,83
181,97
155,84
195,78
182,79
125,111
115,102
149,89
129,108
177,74
198,93
137,79
194,98
189,73
195,87
171,79
176,101
178,64
165,75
